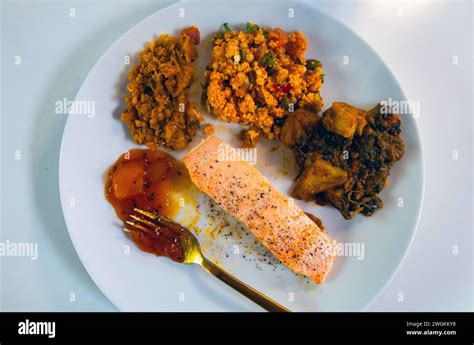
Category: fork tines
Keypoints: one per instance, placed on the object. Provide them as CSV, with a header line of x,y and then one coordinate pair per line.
x,y
160,220
149,219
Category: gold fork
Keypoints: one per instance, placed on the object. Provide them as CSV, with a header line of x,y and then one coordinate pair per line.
x,y
192,255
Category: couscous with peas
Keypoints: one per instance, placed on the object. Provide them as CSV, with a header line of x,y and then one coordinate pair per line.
x,y
258,76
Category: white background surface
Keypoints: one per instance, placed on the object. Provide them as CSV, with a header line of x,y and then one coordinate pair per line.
x,y
417,40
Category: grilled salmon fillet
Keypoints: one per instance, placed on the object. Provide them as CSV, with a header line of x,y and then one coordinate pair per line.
x,y
274,219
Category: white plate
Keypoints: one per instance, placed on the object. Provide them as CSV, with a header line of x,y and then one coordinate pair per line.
x,y
137,281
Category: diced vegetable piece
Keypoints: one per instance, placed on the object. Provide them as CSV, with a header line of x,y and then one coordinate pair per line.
x,y
251,28
344,119
250,137
193,33
313,64
268,59
318,175
298,126
243,54
218,35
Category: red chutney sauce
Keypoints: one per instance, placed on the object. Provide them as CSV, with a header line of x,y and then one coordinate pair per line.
x,y
145,179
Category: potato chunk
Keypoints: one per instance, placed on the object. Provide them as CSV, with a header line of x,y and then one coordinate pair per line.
x,y
298,127
344,119
318,175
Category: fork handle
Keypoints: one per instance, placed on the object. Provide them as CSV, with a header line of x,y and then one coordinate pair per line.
x,y
248,291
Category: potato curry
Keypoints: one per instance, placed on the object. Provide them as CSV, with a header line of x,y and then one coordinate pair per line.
x,y
344,156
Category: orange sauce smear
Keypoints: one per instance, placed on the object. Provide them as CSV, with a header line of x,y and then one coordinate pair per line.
x,y
146,179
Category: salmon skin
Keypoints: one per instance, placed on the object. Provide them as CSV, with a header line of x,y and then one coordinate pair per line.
x,y
274,219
